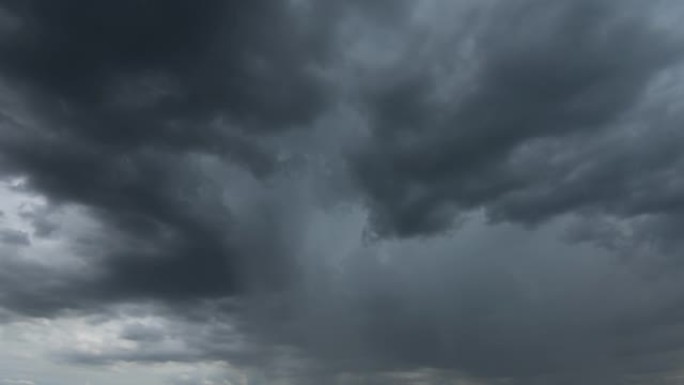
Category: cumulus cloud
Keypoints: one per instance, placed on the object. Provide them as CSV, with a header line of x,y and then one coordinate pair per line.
x,y
478,192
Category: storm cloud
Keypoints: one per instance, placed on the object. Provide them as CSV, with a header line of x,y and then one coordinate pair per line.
x,y
476,192
550,81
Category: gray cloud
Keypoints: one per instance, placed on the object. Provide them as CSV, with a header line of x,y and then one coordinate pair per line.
x,y
492,302
128,101
557,75
14,237
142,112
361,192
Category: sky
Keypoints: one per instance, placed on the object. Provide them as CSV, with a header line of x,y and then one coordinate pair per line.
x,y
373,192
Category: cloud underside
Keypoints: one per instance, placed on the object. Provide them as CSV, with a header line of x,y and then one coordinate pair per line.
x,y
490,189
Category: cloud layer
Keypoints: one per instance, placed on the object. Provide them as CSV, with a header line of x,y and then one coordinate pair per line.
x,y
366,191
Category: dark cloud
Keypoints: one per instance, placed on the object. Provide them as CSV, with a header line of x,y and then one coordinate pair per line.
x,y
493,303
34,290
198,148
546,73
126,100
14,237
143,333
142,112
179,61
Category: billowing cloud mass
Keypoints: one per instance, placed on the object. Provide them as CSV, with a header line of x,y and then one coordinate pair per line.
x,y
353,192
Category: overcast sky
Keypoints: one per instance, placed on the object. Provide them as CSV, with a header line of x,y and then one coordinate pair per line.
x,y
307,192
